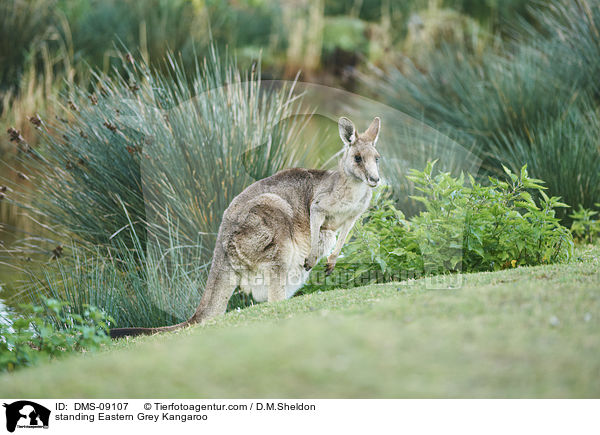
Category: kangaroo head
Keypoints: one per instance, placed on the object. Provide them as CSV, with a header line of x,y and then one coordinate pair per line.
x,y
360,156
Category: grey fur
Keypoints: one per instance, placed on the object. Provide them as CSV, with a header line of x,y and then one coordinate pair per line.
x,y
276,230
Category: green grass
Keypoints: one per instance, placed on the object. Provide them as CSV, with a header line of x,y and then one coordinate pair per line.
x,y
525,332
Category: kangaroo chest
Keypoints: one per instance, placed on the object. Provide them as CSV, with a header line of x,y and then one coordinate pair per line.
x,y
346,208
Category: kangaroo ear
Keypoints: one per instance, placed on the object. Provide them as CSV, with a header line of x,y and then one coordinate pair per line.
x,y
347,131
372,133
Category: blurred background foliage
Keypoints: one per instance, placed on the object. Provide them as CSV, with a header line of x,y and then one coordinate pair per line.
x,y
47,45
513,81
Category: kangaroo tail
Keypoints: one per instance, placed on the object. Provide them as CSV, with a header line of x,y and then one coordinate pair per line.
x,y
220,284
132,332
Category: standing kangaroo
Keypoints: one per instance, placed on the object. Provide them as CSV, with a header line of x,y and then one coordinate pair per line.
x,y
276,230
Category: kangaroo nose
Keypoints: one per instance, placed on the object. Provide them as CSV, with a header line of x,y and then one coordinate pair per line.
x,y
374,179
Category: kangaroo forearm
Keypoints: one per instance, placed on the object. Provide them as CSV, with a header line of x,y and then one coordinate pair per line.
x,y
339,244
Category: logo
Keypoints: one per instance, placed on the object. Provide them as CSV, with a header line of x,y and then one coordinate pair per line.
x,y
26,414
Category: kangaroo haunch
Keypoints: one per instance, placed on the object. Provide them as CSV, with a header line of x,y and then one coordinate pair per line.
x,y
276,230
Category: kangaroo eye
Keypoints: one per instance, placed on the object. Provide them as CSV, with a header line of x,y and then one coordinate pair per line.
x,y
377,159
357,158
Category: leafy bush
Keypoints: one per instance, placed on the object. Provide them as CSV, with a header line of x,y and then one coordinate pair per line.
x,y
49,330
465,227
381,248
585,226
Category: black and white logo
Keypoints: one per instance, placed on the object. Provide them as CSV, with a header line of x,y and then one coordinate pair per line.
x,y
26,414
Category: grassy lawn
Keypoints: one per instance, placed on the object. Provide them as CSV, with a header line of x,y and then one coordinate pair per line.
x,y
526,332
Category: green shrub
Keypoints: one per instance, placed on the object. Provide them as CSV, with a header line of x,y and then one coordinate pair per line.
x,y
50,330
585,226
465,227
506,223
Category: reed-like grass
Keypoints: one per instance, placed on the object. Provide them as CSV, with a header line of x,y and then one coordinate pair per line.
x,y
135,285
140,170
517,102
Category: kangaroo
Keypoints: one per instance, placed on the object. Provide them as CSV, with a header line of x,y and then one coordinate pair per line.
x,y
276,230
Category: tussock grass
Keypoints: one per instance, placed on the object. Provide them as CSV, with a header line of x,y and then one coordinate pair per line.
x,y
519,102
137,173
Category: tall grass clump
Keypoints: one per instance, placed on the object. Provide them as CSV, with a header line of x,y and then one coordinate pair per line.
x,y
516,103
137,286
167,136
142,167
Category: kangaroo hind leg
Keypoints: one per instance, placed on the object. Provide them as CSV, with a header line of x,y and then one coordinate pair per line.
x,y
277,280
220,285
